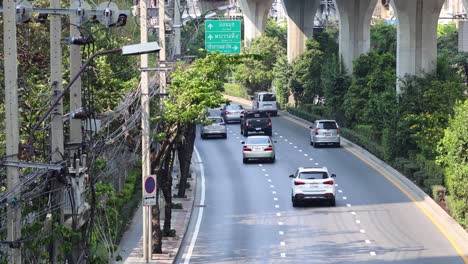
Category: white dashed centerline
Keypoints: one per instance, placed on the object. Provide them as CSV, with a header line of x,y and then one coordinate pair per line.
x,y
276,205
280,223
283,255
372,253
278,214
280,233
345,198
368,241
275,199
282,243
362,231
358,221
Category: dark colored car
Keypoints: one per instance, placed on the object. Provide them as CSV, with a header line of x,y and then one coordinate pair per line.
x,y
255,121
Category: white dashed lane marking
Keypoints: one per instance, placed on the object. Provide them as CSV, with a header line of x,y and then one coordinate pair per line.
x,y
275,199
281,136
290,143
285,140
345,198
278,214
273,192
362,231
336,184
237,137
266,175
276,205
300,150
358,221
353,213
311,159
368,241
260,165
340,191
282,243
280,233
269,180
372,253
348,205
280,223
263,170
272,186
276,133
316,163
306,155
283,255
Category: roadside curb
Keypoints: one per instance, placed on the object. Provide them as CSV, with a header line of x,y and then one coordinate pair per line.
x,y
451,229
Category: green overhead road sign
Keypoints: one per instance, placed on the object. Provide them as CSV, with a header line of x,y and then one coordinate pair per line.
x,y
223,36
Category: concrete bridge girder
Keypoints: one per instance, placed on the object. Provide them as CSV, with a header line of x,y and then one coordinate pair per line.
x,y
416,36
255,17
354,35
300,18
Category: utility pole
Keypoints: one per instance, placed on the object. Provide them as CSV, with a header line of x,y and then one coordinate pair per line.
x,y
162,44
177,26
145,130
57,142
76,137
12,130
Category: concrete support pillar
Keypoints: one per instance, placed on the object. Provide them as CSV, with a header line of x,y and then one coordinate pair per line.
x,y
300,17
206,6
354,39
417,36
255,17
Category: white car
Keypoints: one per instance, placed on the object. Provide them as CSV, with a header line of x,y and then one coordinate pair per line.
x,y
258,147
312,183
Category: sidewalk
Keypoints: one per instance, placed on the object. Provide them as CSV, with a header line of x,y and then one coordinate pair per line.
x,y
131,245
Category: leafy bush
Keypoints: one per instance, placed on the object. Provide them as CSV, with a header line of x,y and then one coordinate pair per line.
x,y
363,141
438,192
302,114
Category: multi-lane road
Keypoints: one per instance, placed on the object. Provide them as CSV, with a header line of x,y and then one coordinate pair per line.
x,y
243,212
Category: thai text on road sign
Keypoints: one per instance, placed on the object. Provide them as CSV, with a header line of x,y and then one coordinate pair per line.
x,y
149,190
223,36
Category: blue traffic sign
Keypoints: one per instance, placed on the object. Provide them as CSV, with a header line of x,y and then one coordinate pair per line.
x,y
150,185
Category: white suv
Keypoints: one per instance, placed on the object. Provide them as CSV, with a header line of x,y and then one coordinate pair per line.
x,y
312,183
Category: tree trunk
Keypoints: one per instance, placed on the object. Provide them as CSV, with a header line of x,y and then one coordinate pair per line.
x,y
166,186
184,152
156,227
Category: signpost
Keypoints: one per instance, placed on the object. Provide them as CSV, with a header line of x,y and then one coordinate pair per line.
x,y
223,36
149,191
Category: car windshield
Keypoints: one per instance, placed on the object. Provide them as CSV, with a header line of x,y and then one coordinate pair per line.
x,y
268,98
313,175
327,125
257,140
234,107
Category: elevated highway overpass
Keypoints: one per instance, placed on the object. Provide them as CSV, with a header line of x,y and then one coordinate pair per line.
x,y
416,38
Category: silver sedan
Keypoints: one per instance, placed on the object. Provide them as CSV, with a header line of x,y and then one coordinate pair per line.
x,y
215,127
258,147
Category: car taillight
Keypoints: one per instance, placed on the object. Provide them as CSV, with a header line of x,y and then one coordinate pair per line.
x,y
243,112
337,131
328,182
222,124
316,131
247,122
269,148
227,112
269,123
299,183
247,148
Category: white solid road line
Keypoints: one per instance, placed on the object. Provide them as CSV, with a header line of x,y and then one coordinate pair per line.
x,y
200,212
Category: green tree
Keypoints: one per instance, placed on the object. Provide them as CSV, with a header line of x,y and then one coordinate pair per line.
x,y
277,29
306,82
257,74
335,83
281,79
453,156
383,38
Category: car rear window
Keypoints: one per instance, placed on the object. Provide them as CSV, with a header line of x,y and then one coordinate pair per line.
x,y
257,140
256,115
327,125
234,107
313,175
216,120
268,98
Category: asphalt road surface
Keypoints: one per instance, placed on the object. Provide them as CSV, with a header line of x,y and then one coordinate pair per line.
x,y
244,214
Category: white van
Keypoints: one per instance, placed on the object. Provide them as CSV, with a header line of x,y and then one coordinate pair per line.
x,y
265,102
